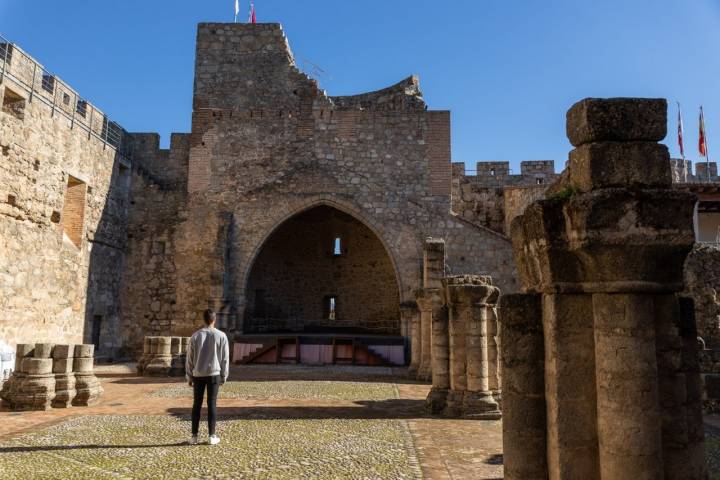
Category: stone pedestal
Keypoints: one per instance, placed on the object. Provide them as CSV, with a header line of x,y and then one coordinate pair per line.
x,y
65,392
620,377
87,385
163,356
32,385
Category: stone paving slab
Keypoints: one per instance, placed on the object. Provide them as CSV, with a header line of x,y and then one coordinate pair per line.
x,y
149,447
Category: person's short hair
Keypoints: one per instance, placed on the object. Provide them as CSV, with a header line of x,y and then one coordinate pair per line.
x,y
208,316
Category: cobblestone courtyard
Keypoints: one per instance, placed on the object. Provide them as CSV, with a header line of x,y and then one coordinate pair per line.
x,y
275,422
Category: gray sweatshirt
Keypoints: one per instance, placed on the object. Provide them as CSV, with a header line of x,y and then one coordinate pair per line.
x,y
208,354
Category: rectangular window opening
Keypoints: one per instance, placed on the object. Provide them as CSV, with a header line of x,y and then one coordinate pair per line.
x,y
6,52
48,82
13,104
337,248
73,214
81,108
331,307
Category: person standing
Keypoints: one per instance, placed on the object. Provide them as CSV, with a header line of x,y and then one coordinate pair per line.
x,y
206,367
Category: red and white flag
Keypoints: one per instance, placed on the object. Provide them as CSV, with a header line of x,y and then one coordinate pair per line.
x,y
252,18
702,141
680,133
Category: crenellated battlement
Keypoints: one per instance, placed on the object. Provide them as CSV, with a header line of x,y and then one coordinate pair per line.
x,y
497,173
682,171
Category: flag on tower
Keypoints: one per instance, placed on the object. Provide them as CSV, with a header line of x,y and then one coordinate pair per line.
x,y
702,141
237,9
252,18
680,133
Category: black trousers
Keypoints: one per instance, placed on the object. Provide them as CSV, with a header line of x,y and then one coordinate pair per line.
x,y
199,385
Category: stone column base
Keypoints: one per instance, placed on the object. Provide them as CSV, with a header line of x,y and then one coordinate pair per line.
x,y
480,406
88,390
437,400
64,390
31,392
454,403
497,396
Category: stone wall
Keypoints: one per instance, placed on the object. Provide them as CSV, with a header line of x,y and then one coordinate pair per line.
x,y
59,261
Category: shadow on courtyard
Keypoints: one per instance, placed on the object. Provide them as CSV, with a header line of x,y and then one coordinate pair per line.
x,y
54,448
365,410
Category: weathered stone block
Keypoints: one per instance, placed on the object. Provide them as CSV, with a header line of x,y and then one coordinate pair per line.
x,y
63,351
88,390
37,366
84,351
63,365
620,164
22,351
83,365
64,391
43,350
617,119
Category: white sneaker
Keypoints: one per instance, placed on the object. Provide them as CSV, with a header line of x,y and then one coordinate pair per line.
x,y
193,440
214,440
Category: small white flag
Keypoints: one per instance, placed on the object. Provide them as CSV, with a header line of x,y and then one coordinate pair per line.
x,y
237,9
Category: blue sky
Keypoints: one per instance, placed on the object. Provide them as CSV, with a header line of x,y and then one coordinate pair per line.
x,y
508,69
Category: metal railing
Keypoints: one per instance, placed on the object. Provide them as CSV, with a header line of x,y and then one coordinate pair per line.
x,y
41,85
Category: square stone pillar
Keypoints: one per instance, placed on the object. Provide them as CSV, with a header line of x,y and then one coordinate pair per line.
x,y
432,300
433,272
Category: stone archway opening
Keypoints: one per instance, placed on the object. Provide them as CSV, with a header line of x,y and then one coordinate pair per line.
x,y
322,271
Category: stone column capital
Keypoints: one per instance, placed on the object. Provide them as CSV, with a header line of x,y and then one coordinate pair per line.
x,y
428,299
470,290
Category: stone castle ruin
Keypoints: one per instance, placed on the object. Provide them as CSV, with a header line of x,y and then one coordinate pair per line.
x,y
337,230
284,209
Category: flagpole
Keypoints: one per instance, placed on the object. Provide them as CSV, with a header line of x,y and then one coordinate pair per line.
x,y
707,150
681,141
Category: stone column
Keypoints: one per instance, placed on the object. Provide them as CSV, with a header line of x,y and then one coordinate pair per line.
x,y
494,368
34,387
610,311
63,358
468,298
433,301
679,388
86,383
424,371
415,343
408,312
523,386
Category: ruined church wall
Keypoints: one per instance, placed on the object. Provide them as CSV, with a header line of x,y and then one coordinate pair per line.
x,y
265,147
45,279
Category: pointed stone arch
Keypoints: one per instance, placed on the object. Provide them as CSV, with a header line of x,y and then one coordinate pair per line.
x,y
371,257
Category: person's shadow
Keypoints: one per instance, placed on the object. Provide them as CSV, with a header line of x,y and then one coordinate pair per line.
x,y
52,448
